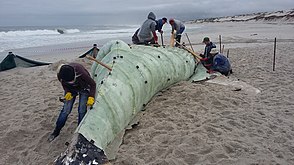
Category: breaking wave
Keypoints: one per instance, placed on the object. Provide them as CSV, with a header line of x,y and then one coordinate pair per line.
x,y
36,32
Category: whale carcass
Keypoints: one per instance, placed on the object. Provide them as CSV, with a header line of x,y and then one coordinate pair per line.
x,y
138,73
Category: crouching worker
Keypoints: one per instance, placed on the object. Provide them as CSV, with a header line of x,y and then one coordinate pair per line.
x,y
75,80
221,64
207,56
146,34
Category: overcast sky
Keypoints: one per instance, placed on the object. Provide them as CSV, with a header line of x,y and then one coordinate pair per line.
x,y
96,12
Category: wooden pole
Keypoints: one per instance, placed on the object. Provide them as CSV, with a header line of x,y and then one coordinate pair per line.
x,y
99,62
189,42
228,53
274,61
172,39
220,43
223,49
197,56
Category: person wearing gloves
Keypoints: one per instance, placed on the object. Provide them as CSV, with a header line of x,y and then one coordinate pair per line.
x,y
147,32
75,80
179,27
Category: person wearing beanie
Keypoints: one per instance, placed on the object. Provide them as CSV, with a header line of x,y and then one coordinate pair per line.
x,y
179,27
75,80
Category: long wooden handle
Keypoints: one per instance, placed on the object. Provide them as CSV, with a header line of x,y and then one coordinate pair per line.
x,y
99,62
198,57
172,39
189,42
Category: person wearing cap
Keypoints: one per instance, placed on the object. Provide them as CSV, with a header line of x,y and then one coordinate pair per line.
x,y
160,23
75,80
207,57
208,47
147,32
179,27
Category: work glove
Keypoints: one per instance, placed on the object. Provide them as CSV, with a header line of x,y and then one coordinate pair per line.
x,y
203,59
90,101
68,96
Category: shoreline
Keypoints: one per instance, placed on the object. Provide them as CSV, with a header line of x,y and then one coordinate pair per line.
x,y
234,35
53,53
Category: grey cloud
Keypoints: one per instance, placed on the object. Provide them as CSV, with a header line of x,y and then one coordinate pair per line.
x,y
37,12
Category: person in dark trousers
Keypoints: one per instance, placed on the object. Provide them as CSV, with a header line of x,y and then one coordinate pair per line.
x,y
160,23
75,80
135,38
179,27
207,56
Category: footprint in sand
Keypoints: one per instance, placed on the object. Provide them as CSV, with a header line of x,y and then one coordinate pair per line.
x,y
205,151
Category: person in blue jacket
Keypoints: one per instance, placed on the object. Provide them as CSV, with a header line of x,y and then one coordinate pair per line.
x,y
160,23
221,64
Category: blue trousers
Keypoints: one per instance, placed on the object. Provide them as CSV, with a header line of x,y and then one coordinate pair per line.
x,y
67,107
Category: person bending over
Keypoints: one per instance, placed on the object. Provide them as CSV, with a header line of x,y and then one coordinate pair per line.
x,y
179,27
160,23
146,34
75,80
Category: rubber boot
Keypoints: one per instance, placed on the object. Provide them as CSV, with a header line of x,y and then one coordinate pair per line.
x,y
53,135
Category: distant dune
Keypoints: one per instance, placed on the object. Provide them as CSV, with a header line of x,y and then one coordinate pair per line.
x,y
277,16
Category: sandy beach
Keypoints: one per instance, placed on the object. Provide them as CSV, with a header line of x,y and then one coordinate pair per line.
x,y
188,123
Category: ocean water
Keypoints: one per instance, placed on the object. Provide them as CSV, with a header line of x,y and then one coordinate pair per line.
x,y
16,37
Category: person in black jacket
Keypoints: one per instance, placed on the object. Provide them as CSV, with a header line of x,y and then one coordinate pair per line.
x,y
207,56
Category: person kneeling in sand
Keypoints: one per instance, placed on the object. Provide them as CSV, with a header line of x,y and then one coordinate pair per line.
x,y
75,80
146,34
221,64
